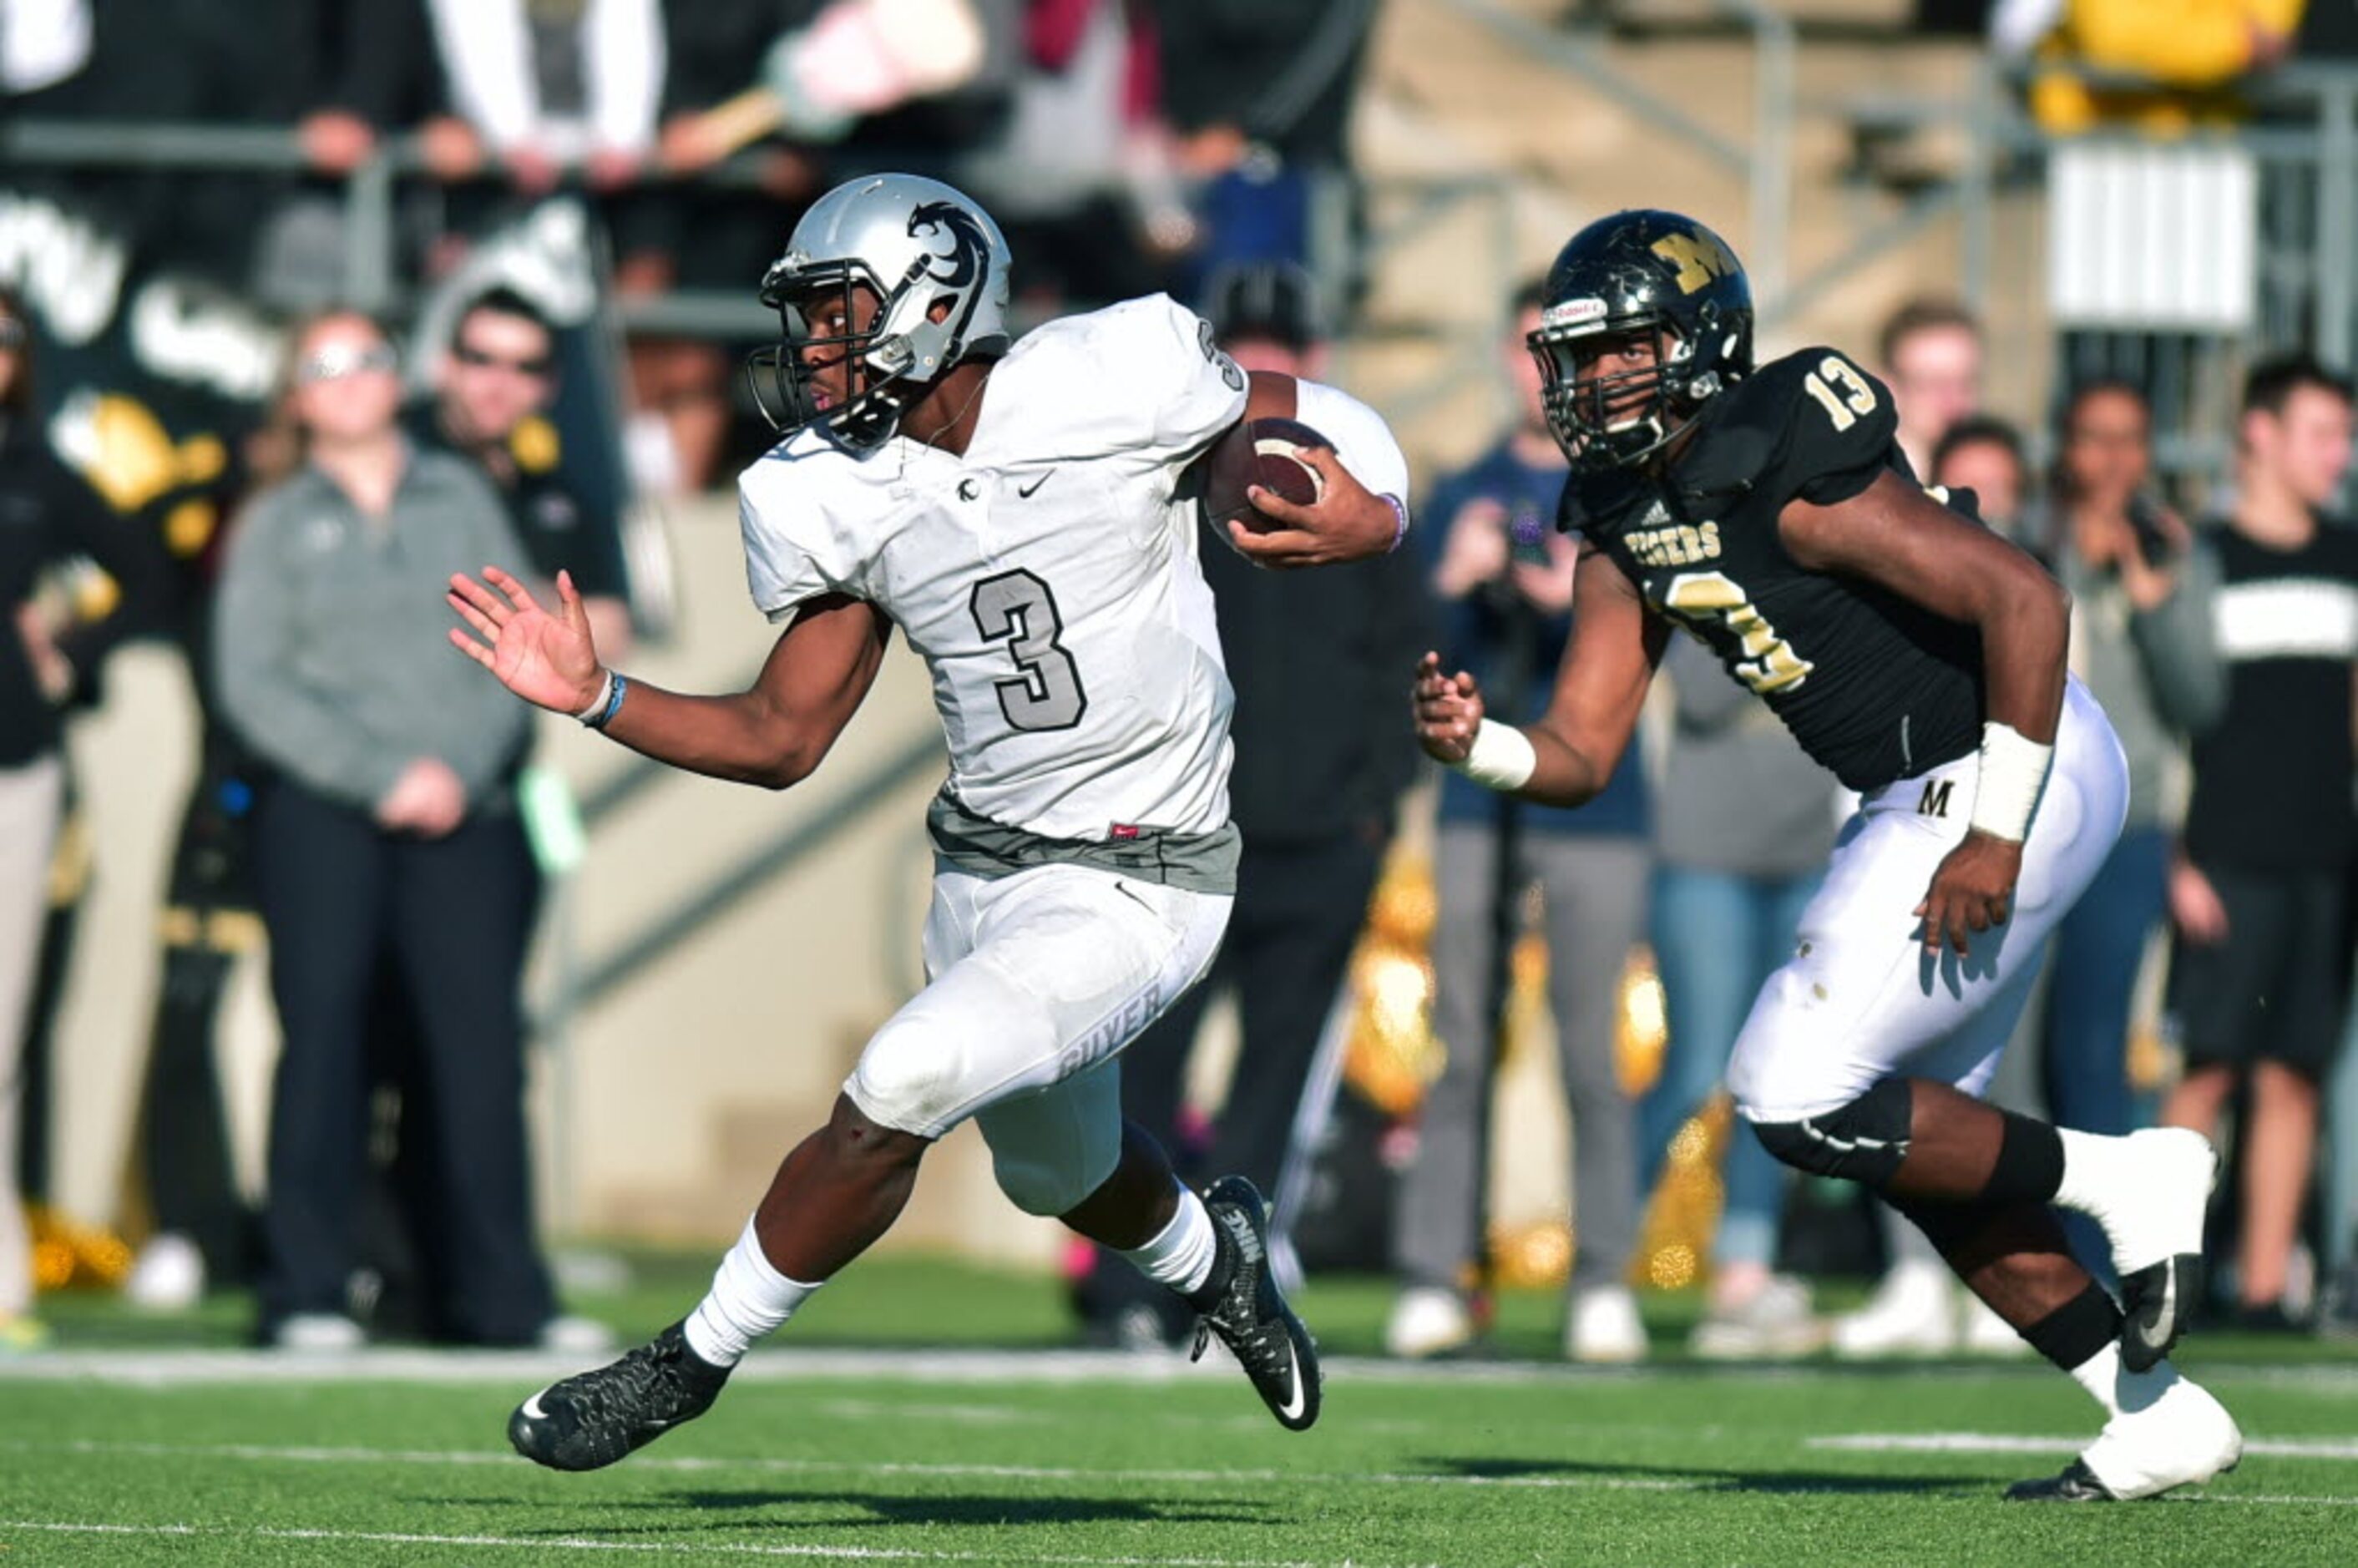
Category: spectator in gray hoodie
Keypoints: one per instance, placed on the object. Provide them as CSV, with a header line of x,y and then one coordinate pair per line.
x,y
387,827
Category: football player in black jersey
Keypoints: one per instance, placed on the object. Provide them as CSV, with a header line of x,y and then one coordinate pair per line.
x,y
1770,513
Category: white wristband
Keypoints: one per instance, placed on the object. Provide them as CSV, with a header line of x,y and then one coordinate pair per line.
x,y
598,704
1500,758
2013,773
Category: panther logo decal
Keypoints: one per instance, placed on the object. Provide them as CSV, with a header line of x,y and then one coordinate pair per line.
x,y
969,248
960,269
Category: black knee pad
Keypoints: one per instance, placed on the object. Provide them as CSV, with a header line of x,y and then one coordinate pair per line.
x,y
1863,1141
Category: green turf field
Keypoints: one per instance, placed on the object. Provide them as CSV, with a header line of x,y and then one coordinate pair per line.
x,y
122,1454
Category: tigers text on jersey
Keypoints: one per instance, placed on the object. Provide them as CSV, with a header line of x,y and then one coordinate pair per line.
x,y
1048,577
1875,688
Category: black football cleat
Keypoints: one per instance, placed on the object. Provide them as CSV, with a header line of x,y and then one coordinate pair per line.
x,y
2077,1483
1241,1304
589,1420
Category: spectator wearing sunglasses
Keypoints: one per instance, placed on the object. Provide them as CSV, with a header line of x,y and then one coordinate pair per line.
x,y
384,831
492,391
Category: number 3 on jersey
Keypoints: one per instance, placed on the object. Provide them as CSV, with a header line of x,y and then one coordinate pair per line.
x,y
1769,663
1017,609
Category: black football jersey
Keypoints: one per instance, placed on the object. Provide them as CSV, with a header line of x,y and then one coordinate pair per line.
x,y
1873,687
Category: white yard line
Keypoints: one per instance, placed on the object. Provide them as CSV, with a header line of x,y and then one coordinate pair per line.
x,y
255,1453
1668,1481
788,1363
2344,1448
696,1548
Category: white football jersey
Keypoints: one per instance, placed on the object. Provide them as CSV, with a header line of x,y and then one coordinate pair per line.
x,y
1048,577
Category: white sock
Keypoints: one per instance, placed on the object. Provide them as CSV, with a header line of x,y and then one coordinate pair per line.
x,y
2094,1171
2120,1391
748,1299
1181,1257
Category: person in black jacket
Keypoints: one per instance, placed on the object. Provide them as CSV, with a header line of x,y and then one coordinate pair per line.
x,y
48,519
1322,756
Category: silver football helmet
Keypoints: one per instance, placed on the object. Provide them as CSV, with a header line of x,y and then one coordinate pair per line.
x,y
938,267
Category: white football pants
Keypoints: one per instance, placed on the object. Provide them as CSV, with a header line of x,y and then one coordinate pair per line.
x,y
1861,1001
1036,981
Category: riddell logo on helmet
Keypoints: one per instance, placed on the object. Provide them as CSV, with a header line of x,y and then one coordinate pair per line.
x,y
1573,313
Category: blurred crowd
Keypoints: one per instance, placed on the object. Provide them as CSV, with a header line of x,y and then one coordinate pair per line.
x,y
1124,146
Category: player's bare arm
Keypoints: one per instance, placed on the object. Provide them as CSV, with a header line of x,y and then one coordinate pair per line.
x,y
1600,690
1270,395
772,734
1895,536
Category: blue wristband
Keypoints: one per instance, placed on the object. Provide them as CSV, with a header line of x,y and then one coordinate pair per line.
x,y
1399,510
605,715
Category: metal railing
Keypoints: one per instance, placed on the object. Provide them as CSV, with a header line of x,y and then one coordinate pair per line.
x,y
1764,160
2302,137
370,197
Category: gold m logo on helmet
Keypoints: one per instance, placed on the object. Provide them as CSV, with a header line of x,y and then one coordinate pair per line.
x,y
1699,258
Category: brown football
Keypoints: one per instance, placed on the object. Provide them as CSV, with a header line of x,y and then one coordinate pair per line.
x,y
1264,452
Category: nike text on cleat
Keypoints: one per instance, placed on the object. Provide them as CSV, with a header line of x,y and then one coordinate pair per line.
x,y
2183,1439
1248,1313
589,1420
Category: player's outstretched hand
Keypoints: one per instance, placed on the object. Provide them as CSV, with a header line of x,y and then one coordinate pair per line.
x,y
1448,710
1972,890
1347,523
550,660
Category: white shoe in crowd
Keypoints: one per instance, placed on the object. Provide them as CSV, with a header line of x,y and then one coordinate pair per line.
x,y
167,1276
1774,1322
569,1336
1603,1326
1912,1313
1427,1321
1986,1334
318,1334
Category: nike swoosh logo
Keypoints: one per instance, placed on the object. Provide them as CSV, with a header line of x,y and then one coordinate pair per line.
x,y
532,1408
2169,1313
1298,1399
1026,492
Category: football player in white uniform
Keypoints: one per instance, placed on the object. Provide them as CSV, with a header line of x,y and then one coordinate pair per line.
x,y
1017,510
